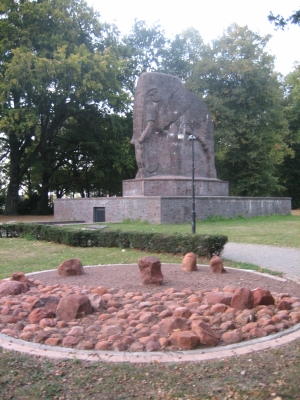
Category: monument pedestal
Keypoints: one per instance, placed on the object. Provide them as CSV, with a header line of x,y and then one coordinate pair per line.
x,y
174,186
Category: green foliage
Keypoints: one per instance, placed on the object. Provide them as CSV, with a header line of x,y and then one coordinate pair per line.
x,y
281,22
202,245
235,77
29,204
144,49
183,53
289,171
57,59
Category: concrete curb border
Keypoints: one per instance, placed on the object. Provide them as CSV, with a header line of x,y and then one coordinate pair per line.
x,y
34,349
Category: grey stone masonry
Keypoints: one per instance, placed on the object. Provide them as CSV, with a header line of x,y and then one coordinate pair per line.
x,y
168,210
174,186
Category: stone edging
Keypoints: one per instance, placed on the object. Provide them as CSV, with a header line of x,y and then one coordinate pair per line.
x,y
251,346
267,342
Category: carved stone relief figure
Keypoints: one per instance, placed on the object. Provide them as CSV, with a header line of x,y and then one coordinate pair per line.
x,y
161,105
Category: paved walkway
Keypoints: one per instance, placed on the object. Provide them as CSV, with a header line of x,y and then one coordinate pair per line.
x,y
282,259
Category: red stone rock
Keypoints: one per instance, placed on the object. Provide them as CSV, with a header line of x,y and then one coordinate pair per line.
x,y
45,307
148,317
258,332
137,346
218,297
216,265
219,307
232,337
76,331
40,313
11,332
170,324
262,297
111,329
47,322
103,345
20,277
97,302
263,322
40,336
248,327
164,342
189,262
295,316
69,341
206,335
53,341
284,305
100,290
119,346
245,316
270,329
185,340
26,335
12,288
150,268
71,267
182,312
128,340
73,306
86,345
9,319
242,299
153,345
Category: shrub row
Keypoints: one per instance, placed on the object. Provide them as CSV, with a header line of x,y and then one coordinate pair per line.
x,y
202,245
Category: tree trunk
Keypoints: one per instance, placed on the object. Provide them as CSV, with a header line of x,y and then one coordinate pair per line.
x,y
12,197
44,192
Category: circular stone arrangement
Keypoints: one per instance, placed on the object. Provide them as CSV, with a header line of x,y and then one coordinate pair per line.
x,y
139,318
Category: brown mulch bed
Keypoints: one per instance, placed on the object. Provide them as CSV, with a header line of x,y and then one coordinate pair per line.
x,y
127,277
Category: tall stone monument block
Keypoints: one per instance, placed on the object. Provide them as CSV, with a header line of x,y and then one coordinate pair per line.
x,y
164,111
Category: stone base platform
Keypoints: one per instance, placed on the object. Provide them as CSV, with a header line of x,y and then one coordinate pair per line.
x,y
166,210
174,186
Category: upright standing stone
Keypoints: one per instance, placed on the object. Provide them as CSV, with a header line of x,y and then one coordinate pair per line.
x,y
189,262
150,268
71,267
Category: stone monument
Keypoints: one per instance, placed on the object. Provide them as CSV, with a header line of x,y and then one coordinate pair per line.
x,y
164,116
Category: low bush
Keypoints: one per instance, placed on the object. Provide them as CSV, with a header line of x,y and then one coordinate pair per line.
x,y
202,245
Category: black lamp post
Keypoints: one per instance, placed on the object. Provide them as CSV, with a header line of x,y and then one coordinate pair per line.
x,y
191,138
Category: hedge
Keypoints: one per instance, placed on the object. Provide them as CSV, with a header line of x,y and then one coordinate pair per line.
x,y
202,245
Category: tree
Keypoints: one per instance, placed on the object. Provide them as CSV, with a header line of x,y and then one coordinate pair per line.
x,y
144,49
281,22
290,169
96,163
182,54
56,58
236,80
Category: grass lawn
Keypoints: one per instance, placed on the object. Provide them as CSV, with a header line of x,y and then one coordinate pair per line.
x,y
271,374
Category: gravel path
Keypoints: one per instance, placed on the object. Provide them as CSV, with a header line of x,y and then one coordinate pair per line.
x,y
282,259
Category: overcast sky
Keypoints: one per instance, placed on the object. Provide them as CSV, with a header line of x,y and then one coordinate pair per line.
x,y
210,18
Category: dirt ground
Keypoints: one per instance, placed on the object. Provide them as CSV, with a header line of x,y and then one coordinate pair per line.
x,y
127,277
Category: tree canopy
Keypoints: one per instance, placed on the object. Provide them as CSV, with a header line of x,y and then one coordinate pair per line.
x,y
56,60
236,80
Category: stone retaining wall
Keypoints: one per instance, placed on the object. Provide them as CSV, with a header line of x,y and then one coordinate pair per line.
x,y
168,209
